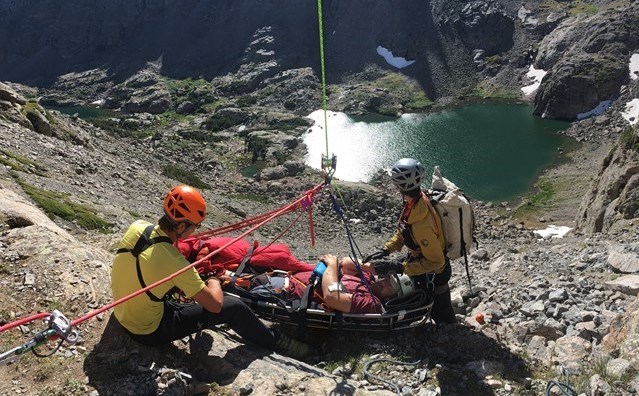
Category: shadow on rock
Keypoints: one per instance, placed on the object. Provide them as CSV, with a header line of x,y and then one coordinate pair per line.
x,y
456,358
117,365
464,352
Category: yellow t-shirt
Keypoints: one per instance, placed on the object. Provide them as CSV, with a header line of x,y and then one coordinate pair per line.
x,y
140,315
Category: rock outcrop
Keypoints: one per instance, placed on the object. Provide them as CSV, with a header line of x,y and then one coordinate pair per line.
x,y
613,203
587,62
264,39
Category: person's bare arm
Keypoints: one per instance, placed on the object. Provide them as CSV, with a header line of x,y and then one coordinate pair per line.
x,y
337,300
211,297
349,268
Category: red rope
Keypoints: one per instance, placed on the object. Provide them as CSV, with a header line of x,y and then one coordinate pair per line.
x,y
20,322
256,221
281,211
304,201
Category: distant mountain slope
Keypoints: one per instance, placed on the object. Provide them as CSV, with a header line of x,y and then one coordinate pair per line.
x,y
48,38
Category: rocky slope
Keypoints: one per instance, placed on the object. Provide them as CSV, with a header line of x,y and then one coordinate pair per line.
x,y
550,304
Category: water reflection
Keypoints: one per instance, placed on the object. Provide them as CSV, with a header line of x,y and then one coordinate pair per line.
x,y
494,152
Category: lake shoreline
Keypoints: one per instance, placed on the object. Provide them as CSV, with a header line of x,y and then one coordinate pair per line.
x,y
526,145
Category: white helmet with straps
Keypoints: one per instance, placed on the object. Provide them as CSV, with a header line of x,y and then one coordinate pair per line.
x,y
402,284
407,174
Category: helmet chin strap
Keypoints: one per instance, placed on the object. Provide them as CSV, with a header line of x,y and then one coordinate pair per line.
x,y
179,234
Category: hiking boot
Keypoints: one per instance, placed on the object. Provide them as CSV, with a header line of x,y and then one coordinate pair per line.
x,y
291,347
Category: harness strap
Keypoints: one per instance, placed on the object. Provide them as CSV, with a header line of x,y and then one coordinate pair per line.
x,y
300,312
144,242
432,214
245,260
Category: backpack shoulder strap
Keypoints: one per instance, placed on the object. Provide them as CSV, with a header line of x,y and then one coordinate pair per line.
x,y
144,242
433,214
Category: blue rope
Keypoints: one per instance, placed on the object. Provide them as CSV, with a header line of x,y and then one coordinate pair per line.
x,y
353,245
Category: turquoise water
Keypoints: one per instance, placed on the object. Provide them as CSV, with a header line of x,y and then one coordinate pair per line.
x,y
494,152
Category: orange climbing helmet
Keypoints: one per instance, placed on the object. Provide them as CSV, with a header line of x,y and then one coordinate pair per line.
x,y
185,203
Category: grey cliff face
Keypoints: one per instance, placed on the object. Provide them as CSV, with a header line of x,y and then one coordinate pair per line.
x,y
587,62
197,38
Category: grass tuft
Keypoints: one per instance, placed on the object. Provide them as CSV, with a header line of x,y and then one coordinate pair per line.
x,y
184,176
538,201
56,204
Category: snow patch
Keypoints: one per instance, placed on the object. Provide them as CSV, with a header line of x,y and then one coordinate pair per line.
x,y
536,75
553,231
634,66
98,103
601,107
396,61
632,112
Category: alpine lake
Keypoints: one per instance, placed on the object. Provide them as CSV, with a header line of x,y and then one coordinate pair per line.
x,y
493,152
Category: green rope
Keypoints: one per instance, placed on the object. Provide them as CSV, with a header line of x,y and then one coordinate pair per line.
x,y
339,192
321,44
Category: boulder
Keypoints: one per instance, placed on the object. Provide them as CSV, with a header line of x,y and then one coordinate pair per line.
x,y
627,284
39,121
154,99
484,25
612,201
571,350
627,262
8,94
579,83
225,118
623,337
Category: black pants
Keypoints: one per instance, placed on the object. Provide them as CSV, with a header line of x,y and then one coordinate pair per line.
x,y
442,311
181,320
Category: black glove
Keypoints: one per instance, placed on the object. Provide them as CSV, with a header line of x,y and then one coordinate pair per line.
x,y
388,267
380,254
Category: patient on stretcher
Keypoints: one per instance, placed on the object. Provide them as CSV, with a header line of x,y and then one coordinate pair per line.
x,y
273,272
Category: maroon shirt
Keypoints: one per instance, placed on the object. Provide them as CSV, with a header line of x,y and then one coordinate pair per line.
x,y
362,301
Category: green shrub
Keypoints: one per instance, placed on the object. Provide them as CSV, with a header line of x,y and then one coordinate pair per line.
x,y
257,146
246,101
218,123
409,93
56,204
628,139
31,106
418,101
579,7
119,131
183,176
8,161
487,90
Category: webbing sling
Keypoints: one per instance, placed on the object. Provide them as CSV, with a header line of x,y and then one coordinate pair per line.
x,y
144,242
245,261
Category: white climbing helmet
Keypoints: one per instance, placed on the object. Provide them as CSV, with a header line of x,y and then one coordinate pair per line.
x,y
407,174
402,284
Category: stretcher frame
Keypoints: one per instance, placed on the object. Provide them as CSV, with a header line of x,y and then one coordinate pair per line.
x,y
397,319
